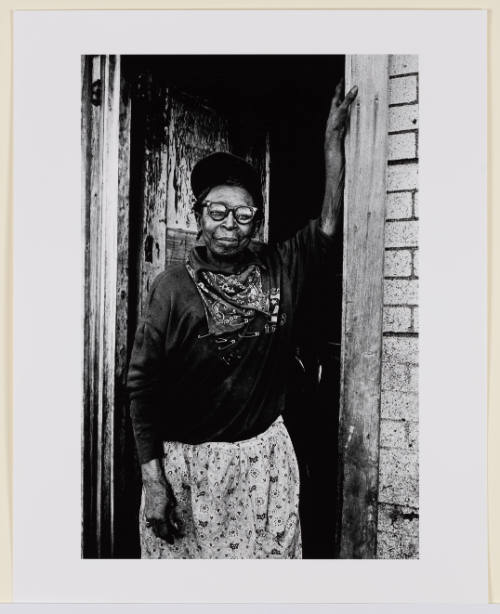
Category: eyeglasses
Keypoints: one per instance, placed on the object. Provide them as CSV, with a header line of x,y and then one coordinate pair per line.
x,y
218,211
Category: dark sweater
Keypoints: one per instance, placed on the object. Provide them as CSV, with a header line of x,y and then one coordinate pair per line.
x,y
186,385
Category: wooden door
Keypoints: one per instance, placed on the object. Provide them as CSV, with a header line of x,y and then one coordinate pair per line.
x,y
141,136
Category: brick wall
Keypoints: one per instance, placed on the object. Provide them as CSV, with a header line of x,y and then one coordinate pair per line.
x,y
398,471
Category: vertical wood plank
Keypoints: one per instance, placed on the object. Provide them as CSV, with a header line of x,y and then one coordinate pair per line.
x,y
111,105
88,469
123,232
94,240
100,299
366,159
122,445
126,475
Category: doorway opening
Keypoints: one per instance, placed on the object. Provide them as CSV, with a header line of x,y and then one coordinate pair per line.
x,y
271,110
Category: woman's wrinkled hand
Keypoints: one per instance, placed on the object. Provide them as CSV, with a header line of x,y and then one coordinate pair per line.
x,y
160,505
337,118
161,512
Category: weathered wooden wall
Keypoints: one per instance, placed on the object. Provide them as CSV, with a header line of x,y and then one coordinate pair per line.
x,y
366,160
100,155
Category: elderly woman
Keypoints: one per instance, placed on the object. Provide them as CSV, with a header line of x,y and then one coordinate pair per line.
x,y
209,367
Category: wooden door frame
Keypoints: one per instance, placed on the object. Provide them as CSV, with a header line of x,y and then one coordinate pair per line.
x,y
366,149
105,159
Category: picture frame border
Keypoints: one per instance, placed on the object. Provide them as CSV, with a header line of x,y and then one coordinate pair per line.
x,y
6,251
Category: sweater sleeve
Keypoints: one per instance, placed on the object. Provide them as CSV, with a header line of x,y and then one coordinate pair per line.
x,y
146,370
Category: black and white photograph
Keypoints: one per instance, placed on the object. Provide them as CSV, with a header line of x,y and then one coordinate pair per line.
x,y
250,307
251,337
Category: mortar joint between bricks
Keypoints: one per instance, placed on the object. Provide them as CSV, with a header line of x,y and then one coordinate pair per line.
x,y
400,335
402,219
399,248
409,131
410,277
402,161
403,104
405,74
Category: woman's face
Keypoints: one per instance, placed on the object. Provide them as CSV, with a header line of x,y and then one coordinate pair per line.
x,y
226,239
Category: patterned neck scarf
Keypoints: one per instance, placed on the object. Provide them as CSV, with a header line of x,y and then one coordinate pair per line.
x,y
230,300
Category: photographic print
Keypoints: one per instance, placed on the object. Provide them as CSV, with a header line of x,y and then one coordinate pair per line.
x,y
238,336
251,337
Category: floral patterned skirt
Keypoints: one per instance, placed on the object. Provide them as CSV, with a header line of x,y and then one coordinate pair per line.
x,y
236,500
